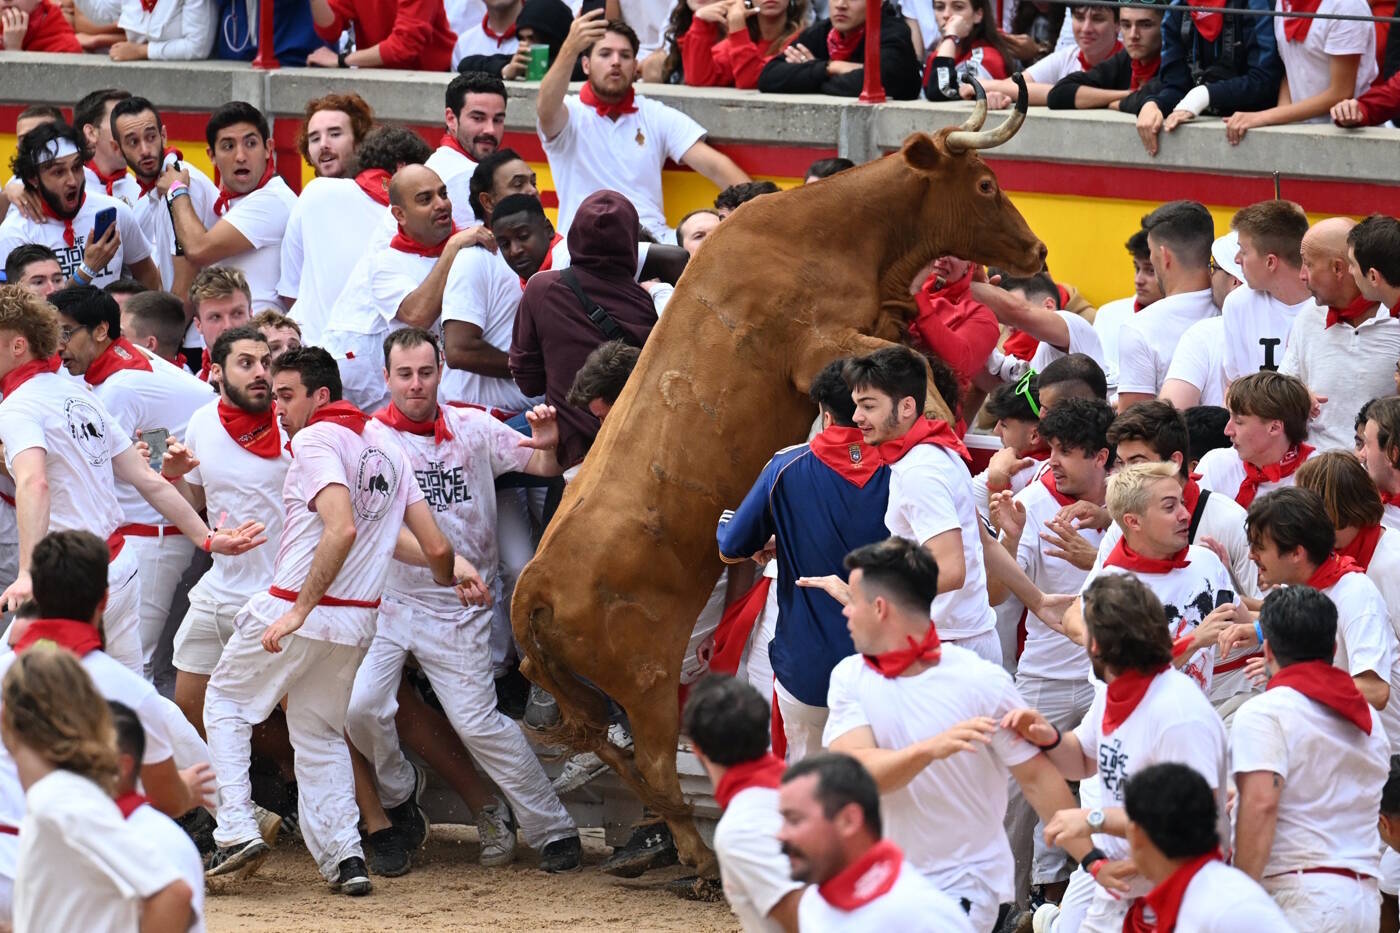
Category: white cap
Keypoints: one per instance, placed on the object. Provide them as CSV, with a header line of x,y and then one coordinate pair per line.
x,y
1224,251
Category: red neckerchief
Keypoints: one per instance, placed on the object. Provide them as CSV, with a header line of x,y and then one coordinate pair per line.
x,y
120,354
1084,62
1255,476
131,801
180,361
170,151
1125,557
548,258
1047,479
375,183
1138,305
840,48
844,450
221,203
1390,498
80,638
1143,71
1207,24
69,237
26,371
891,664
1020,344
407,244
612,111
1165,899
1191,492
110,179
1322,682
397,420
924,431
1124,694
148,5
1360,305
868,877
500,37
761,772
1363,547
1295,28
341,413
255,433
206,362
1331,570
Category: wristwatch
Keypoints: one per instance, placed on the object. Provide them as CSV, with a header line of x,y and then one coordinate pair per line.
x,y
1095,819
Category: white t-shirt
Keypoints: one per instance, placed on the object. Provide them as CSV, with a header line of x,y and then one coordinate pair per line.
x,y
1200,360
16,230
165,397
1332,778
328,231
1384,572
626,155
463,14
79,437
1149,340
458,480
377,286
1082,339
153,214
1256,330
1059,63
374,468
752,867
948,819
81,866
921,11
482,290
1108,324
1349,365
455,170
1365,640
1390,518
261,216
1048,653
912,905
125,189
1172,722
1307,64
475,41
243,486
930,493
179,848
1222,472
1223,899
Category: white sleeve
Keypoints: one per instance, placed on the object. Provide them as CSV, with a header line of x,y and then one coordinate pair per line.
x,y
1007,744
565,142
1082,337
927,502
1365,632
678,131
135,246
1257,742
320,465
388,288
845,712
261,217
292,253
753,856
151,712
1191,362
1087,732
1348,38
20,432
1137,365
1292,364
464,296
133,862
1050,69
197,38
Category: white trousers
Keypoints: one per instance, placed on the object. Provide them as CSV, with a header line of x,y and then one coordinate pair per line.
x,y
121,620
162,562
1320,902
987,645
1078,896
802,724
315,677
755,665
981,904
453,653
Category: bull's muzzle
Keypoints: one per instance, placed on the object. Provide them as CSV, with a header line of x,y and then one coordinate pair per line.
x,y
971,136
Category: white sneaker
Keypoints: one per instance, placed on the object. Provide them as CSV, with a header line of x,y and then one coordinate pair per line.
x,y
268,824
496,830
1043,921
586,766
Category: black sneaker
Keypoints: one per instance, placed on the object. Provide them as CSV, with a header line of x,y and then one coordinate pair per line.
x,y
199,825
387,855
562,855
241,859
651,846
512,693
354,878
408,818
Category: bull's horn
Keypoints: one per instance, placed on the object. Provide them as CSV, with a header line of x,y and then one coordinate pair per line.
x,y
979,110
960,139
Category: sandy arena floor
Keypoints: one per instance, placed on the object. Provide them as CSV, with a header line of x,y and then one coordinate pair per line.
x,y
447,890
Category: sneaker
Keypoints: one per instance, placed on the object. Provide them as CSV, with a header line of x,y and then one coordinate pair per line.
x,y
387,854
1043,921
496,829
513,693
353,879
586,766
408,817
562,855
199,825
541,710
269,825
241,859
651,846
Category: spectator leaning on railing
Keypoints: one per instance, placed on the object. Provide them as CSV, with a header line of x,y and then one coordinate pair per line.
x,y
410,34
165,30
828,57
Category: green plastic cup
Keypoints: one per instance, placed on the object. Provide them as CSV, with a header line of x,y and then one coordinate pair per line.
x,y
539,62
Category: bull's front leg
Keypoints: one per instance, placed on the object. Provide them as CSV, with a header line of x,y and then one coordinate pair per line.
x,y
821,348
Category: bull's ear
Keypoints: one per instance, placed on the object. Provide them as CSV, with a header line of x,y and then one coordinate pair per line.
x,y
922,153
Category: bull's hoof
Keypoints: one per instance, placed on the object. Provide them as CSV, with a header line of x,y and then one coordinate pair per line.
x,y
695,888
651,846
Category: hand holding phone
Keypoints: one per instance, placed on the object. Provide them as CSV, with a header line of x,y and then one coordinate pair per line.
x,y
155,439
104,221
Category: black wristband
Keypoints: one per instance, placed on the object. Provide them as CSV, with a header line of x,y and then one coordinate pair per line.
x,y
1095,855
1055,744
340,59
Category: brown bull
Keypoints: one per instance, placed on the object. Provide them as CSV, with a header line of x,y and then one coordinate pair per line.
x,y
791,282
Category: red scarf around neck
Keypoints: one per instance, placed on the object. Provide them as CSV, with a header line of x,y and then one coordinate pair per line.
x,y
1047,479
613,110
1191,492
1255,476
1125,557
451,142
342,413
1363,547
1322,682
841,48
761,772
867,878
1295,28
108,179
1165,899
1124,694
1020,344
1207,24
1331,570
131,801
374,182
397,420
924,431
407,244
1390,498
26,371
548,262
221,203
70,238
148,187
891,664
499,37
845,451
1360,305
1143,70
120,354
255,432
81,638
206,362
1085,64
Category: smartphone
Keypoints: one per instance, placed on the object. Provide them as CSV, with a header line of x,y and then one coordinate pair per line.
x,y
155,438
1223,598
104,220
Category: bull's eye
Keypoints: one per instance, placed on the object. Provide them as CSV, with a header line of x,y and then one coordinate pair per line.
x,y
986,186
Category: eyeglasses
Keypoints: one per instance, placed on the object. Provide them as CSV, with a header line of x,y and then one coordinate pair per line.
x,y
1027,390
66,333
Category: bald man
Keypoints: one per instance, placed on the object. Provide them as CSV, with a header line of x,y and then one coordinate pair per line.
x,y
1345,349
397,287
